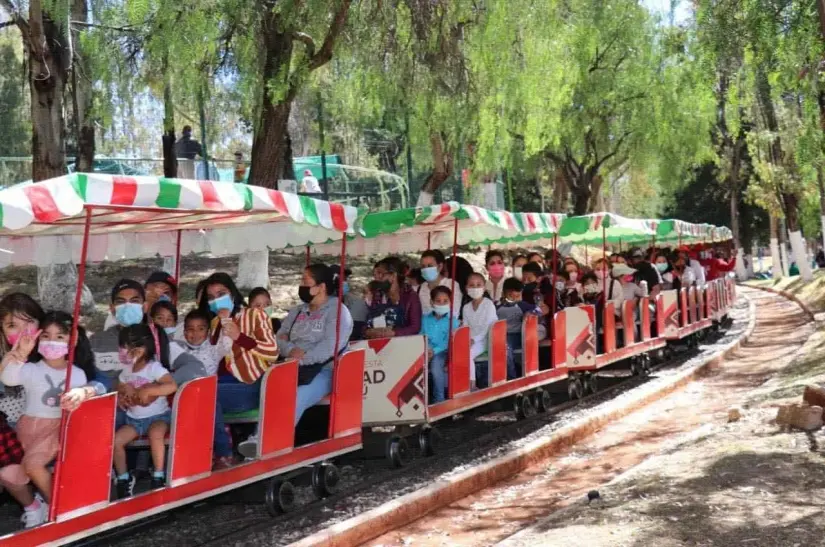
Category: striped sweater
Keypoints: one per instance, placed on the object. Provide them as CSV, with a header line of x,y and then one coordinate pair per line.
x,y
254,351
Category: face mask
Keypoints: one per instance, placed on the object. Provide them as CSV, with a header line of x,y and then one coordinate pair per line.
x,y
591,289
476,293
528,290
268,311
170,330
129,314
123,356
224,302
628,278
13,337
441,309
496,270
559,285
164,298
384,286
195,346
429,274
304,294
53,350
600,274
345,287
574,276
668,278
661,266
517,272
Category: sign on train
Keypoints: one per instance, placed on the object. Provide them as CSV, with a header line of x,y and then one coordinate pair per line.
x,y
395,383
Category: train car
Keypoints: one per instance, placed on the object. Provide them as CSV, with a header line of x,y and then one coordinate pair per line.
x,y
84,218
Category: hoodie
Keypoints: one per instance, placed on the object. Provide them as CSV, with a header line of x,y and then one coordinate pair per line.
x,y
314,331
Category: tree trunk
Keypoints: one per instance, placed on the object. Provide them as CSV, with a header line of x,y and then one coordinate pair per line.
x,y
253,270
442,168
170,162
735,169
776,258
821,184
56,287
82,95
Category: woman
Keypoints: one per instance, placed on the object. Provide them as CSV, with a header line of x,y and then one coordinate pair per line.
x,y
308,335
254,350
401,305
666,271
494,260
611,286
517,265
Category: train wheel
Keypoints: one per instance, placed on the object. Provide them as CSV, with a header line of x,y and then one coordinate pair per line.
x,y
325,480
527,408
398,451
543,400
427,439
634,366
592,384
280,497
574,388
645,365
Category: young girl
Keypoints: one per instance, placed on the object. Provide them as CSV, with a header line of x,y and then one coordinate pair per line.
x,y
260,298
164,315
44,382
479,314
142,387
19,314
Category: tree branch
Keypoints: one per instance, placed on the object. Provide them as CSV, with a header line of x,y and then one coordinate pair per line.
x,y
307,40
125,28
324,54
600,55
4,24
16,17
612,152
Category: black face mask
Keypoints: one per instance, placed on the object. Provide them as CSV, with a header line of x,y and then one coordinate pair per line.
x,y
529,289
383,286
304,294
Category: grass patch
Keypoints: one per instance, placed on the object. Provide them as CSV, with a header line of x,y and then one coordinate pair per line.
x,y
811,293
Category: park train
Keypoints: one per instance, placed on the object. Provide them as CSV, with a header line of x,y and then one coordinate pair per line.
x,y
85,218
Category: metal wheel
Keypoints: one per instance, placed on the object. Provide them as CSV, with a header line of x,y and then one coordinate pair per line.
x,y
543,400
325,480
398,451
427,439
526,407
592,384
280,497
645,365
574,388
517,408
635,368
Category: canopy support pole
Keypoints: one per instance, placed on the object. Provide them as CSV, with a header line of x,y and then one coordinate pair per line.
x,y
452,284
554,297
64,415
343,265
177,262
307,254
605,269
429,239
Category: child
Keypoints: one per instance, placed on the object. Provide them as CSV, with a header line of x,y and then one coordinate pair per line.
x,y
19,314
142,387
435,325
479,314
164,315
375,298
44,383
517,265
512,309
196,334
260,298
414,279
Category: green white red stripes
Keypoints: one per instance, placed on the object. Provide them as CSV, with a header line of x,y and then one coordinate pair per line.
x,y
62,198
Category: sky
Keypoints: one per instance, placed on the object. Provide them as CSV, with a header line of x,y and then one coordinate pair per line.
x,y
662,7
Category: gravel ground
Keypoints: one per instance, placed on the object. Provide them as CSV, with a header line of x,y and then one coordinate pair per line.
x,y
469,442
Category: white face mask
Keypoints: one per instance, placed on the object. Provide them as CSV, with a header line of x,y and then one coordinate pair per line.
x,y
591,289
600,274
517,272
476,292
559,285
574,276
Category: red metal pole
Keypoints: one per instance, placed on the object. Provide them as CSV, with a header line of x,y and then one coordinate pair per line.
x,y
177,265
307,260
337,323
604,264
429,235
553,296
455,262
64,415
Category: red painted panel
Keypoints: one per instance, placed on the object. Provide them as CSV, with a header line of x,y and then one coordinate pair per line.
x,y
692,304
530,344
644,313
628,320
498,352
609,327
712,302
683,308
458,368
193,429
701,309
660,314
278,392
347,399
87,455
560,339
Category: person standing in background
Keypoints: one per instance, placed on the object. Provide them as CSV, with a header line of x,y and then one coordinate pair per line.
x,y
240,168
187,147
309,184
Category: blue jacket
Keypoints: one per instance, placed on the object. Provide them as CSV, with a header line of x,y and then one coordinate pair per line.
x,y
437,331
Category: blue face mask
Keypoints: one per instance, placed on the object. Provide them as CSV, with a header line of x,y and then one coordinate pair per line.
x,y
224,302
441,309
170,330
164,298
429,274
129,314
346,287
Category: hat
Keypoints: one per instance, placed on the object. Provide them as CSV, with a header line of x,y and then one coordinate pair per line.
x,y
124,284
637,253
622,269
307,172
163,277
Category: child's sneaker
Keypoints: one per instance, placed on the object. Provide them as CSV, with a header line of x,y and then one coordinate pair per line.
x,y
125,487
36,517
158,482
249,447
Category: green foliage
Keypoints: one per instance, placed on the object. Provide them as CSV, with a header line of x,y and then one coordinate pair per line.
x,y
15,129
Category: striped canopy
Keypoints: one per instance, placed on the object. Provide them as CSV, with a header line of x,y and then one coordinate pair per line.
x,y
136,217
592,229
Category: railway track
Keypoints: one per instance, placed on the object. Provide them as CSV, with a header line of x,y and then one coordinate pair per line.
x,y
367,482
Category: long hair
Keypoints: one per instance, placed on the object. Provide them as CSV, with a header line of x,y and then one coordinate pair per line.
x,y
220,278
324,275
21,304
84,357
138,336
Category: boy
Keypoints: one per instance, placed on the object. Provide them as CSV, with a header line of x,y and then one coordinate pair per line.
x,y
435,325
196,334
512,309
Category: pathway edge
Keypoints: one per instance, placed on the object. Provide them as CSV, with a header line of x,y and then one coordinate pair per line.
x,y
415,505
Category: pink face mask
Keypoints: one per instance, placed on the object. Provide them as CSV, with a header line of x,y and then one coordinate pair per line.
x,y
496,270
53,350
13,337
628,278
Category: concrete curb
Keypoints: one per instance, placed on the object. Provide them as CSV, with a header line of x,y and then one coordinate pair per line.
x,y
787,295
413,506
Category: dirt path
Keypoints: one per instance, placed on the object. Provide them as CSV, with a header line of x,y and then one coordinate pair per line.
x,y
497,513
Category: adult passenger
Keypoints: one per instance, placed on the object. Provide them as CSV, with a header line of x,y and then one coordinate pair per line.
x,y
517,266
400,305
494,261
645,272
432,265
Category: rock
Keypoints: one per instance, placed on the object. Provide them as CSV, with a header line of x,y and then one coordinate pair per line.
x,y
807,418
56,288
784,415
814,395
734,414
